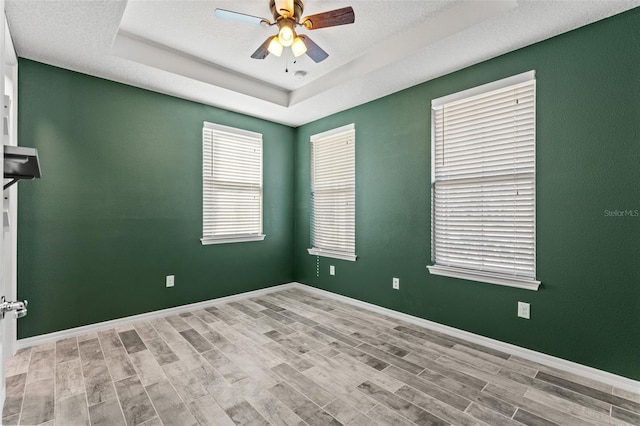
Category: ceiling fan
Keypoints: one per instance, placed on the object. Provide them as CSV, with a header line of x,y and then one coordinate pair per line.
x,y
287,16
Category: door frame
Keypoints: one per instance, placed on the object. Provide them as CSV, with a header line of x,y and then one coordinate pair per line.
x,y
8,246
11,287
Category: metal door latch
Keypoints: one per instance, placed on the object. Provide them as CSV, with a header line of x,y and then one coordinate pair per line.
x,y
20,308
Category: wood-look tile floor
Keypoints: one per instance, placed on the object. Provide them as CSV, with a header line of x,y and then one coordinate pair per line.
x,y
294,358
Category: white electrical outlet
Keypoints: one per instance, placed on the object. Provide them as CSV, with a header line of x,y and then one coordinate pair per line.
x,y
396,283
332,270
524,310
170,280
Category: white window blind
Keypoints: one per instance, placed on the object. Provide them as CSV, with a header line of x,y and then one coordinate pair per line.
x,y
231,185
483,183
333,193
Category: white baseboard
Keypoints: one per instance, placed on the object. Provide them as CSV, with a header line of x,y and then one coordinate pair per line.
x,y
541,358
105,325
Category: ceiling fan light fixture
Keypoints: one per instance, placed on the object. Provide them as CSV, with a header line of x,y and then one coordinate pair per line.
x,y
298,47
286,35
275,48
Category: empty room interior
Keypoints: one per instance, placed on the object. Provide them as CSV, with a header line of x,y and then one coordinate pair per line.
x,y
320,213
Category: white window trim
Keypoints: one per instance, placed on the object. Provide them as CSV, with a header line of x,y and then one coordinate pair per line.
x,y
332,254
494,85
209,240
484,277
315,251
470,274
227,239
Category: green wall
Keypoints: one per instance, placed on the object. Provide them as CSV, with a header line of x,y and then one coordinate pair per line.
x,y
588,161
119,205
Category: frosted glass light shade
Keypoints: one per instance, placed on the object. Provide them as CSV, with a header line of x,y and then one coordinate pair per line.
x,y
286,35
298,47
275,48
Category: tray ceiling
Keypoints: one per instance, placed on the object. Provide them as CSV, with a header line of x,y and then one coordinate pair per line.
x,y
180,48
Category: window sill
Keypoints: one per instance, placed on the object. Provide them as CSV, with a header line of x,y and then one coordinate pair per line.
x,y
485,277
231,239
332,254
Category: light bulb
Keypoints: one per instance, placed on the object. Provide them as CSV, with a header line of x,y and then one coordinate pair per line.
x,y
286,35
275,48
298,47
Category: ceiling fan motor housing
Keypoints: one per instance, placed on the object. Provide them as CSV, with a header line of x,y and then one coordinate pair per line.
x,y
279,11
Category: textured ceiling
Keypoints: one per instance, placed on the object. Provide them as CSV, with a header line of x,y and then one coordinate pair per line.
x,y
180,48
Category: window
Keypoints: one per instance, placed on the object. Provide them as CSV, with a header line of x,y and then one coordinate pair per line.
x,y
483,183
231,185
333,193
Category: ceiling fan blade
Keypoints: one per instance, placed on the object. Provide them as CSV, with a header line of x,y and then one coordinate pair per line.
x,y
331,18
240,17
262,51
314,51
